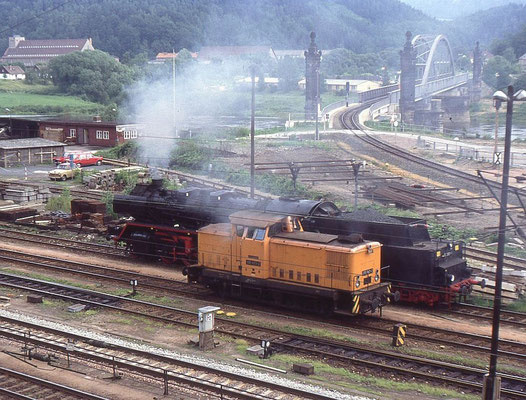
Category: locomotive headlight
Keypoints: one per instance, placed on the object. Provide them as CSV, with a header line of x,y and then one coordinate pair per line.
x,y
451,277
439,253
377,276
357,284
457,247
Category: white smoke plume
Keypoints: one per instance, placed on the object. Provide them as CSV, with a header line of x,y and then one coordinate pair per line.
x,y
203,93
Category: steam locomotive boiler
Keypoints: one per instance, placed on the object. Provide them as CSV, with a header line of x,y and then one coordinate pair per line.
x,y
166,223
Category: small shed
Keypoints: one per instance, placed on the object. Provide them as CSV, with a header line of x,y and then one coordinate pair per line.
x,y
29,151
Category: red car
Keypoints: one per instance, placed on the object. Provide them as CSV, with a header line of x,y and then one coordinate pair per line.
x,y
79,159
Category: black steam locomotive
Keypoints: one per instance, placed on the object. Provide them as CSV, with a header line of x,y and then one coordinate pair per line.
x,y
165,224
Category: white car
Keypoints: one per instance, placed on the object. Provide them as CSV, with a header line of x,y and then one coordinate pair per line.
x,y
62,172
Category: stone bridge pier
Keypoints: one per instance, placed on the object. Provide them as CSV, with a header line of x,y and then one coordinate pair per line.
x,y
425,59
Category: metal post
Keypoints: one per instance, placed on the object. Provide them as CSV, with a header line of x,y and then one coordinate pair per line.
x,y
489,390
317,135
496,145
356,168
252,130
173,89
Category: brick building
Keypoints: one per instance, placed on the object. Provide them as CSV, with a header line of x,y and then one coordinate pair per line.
x,y
93,133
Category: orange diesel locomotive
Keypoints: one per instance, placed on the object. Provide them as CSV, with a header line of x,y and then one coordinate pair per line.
x,y
270,259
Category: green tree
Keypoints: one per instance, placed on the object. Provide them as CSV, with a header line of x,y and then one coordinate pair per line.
x,y
93,75
497,72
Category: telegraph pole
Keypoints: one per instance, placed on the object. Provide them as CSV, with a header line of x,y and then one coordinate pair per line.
x,y
252,129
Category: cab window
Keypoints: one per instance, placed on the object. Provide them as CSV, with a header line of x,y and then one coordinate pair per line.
x,y
274,230
250,232
259,234
239,230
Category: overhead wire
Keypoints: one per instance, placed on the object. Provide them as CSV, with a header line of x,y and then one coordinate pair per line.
x,y
26,20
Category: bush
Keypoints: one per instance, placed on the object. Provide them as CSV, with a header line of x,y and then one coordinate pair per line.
x,y
128,179
190,154
60,203
107,198
447,232
126,150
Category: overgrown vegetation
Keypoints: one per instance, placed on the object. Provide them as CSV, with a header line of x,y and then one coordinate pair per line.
x,y
126,179
107,198
127,150
61,202
444,231
190,154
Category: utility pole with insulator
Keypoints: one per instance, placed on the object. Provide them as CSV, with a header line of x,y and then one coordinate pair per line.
x,y
252,130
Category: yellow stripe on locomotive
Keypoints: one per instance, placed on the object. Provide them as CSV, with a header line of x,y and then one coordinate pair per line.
x,y
271,257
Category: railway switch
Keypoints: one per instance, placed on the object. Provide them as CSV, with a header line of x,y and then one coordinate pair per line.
x,y
399,332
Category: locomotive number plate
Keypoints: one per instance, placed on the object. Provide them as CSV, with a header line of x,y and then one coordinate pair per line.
x,y
254,263
367,271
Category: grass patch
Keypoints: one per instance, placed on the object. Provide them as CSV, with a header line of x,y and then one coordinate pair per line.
x,y
61,202
325,372
306,331
46,278
324,145
20,102
24,87
164,301
519,305
456,359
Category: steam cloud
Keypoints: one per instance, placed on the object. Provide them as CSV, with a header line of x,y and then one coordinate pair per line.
x,y
203,93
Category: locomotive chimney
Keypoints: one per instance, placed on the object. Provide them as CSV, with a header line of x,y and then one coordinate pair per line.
x,y
157,183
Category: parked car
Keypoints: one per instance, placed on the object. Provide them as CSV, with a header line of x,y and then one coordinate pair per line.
x,y
62,172
79,159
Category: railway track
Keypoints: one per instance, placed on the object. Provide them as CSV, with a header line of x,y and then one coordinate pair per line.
x,y
76,245
164,369
349,120
16,385
340,352
491,258
91,271
88,271
514,318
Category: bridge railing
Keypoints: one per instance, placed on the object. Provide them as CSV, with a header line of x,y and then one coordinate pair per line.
x,y
423,91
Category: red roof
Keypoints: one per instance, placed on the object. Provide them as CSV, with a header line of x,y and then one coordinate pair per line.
x,y
12,69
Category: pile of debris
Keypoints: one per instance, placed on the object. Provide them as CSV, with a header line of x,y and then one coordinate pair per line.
x,y
105,180
90,213
21,201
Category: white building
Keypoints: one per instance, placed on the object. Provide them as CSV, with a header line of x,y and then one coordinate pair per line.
x,y
12,72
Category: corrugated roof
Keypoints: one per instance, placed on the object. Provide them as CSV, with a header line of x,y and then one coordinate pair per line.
x,y
28,143
257,219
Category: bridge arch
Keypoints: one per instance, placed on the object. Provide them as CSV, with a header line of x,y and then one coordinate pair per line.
x,y
434,58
